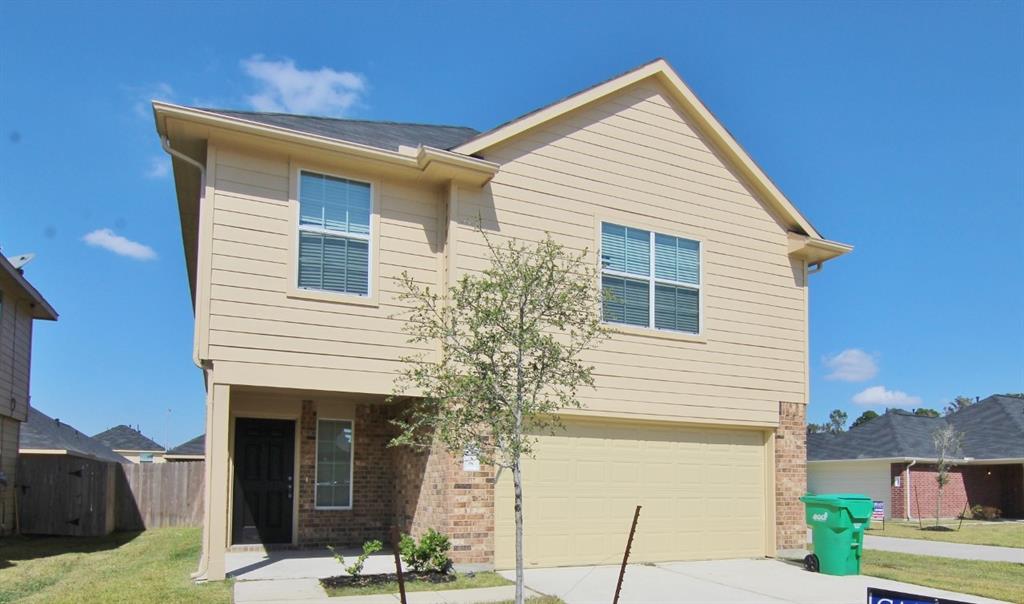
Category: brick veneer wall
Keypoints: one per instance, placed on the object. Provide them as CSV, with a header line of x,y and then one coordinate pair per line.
x,y
996,485
397,486
371,515
433,491
790,476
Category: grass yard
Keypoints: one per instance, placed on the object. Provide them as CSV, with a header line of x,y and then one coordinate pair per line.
x,y
976,532
140,568
482,579
999,580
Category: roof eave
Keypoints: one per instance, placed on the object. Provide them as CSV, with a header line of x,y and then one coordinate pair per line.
x,y
41,309
457,166
816,250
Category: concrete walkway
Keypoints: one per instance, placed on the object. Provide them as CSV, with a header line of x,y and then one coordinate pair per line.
x,y
964,551
719,582
308,591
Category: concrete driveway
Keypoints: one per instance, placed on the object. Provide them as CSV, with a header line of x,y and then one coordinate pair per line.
x,y
726,581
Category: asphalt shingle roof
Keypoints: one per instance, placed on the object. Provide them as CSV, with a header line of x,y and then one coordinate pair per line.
x,y
126,438
383,135
41,431
992,429
196,446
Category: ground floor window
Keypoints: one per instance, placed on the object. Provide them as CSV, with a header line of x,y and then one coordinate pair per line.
x,y
333,464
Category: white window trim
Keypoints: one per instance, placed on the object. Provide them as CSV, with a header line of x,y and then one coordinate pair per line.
x,y
652,281
370,297
351,464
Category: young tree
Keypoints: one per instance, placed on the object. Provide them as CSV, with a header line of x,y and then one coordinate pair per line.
x,y
958,403
864,418
947,448
837,421
509,342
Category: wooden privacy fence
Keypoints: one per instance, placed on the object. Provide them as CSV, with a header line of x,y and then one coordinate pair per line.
x,y
160,494
66,495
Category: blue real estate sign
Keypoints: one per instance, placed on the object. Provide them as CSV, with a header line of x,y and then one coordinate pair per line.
x,y
885,596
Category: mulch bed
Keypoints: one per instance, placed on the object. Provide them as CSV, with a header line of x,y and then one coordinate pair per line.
x,y
368,580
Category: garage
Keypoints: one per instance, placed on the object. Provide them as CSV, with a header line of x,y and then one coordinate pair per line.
x,y
703,492
870,478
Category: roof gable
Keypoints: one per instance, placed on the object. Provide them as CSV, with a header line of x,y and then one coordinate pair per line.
x,y
689,104
126,438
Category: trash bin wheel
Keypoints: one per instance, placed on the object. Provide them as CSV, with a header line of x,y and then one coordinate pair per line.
x,y
811,563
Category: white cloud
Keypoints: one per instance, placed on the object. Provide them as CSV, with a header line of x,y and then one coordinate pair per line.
x,y
159,167
109,240
851,365
880,395
286,88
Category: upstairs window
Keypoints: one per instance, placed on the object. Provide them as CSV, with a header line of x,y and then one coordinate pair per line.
x,y
334,234
650,279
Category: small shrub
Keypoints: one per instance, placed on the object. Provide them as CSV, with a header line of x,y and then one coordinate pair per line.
x,y
986,512
429,555
356,568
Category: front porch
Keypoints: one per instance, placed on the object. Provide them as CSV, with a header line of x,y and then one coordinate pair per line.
x,y
303,470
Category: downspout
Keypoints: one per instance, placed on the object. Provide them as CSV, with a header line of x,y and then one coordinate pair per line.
x,y
204,560
166,144
815,268
906,491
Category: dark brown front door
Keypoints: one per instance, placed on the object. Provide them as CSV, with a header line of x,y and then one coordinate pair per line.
x,y
264,481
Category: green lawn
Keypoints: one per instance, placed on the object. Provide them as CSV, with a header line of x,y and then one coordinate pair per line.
x,y
999,580
483,579
977,532
137,568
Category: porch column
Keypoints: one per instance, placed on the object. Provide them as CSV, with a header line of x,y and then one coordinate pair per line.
x,y
217,471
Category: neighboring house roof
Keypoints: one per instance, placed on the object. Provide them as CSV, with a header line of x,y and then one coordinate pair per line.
x,y
41,309
192,448
992,429
381,134
126,438
42,433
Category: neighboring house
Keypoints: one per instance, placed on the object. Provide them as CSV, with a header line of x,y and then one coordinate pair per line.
x,y
295,228
132,444
193,450
20,305
44,435
892,458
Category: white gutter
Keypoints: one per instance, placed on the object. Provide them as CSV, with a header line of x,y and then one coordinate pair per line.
x,y
166,144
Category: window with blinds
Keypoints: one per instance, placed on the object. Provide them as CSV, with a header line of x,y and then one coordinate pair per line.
x,y
334,234
650,279
333,464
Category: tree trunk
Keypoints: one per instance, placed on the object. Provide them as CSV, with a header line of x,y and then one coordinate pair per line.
x,y
517,481
938,505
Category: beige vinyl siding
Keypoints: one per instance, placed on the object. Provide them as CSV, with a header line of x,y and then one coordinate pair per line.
x,y
15,353
261,335
10,431
633,159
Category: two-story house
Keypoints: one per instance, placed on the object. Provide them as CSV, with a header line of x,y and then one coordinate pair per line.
x,y
20,305
296,227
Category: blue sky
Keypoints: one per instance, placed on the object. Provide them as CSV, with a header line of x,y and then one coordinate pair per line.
x,y
895,127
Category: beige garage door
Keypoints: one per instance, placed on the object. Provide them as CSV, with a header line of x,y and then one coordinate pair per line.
x,y
702,492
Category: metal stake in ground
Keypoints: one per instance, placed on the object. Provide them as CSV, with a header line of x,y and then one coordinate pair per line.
x,y
398,563
625,555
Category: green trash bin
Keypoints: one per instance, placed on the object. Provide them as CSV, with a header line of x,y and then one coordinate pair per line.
x,y
837,525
